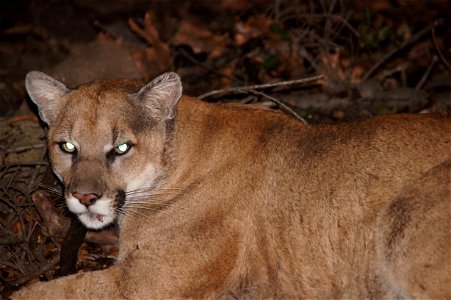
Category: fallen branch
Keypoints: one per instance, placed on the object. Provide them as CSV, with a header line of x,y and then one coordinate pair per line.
x,y
105,29
141,32
426,74
35,273
331,16
206,67
440,54
24,148
282,105
244,89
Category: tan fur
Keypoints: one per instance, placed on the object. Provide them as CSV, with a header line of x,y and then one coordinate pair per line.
x,y
267,207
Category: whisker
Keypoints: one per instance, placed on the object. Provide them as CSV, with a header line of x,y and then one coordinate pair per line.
x,y
151,193
147,197
149,200
154,193
50,188
134,208
137,212
143,207
158,189
120,210
55,197
149,204
125,213
144,200
152,190
57,193
153,206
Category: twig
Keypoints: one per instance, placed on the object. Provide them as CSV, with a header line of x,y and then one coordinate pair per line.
x,y
36,273
331,16
149,33
24,148
205,66
22,118
426,74
442,57
26,164
260,86
305,54
406,43
11,241
141,32
328,26
19,181
282,105
34,176
105,29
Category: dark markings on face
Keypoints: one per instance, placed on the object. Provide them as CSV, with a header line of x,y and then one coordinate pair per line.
x,y
115,135
110,157
74,156
120,198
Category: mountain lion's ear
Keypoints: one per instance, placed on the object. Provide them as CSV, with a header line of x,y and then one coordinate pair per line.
x,y
161,95
46,92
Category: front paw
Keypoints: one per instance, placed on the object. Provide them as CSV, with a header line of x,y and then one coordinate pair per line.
x,y
39,290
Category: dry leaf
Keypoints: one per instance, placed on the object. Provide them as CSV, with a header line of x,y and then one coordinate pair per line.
x,y
156,58
253,27
200,39
57,224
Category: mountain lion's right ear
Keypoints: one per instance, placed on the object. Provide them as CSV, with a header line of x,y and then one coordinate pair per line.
x,y
161,95
46,92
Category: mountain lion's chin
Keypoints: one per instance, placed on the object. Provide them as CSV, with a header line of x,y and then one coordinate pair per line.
x,y
95,221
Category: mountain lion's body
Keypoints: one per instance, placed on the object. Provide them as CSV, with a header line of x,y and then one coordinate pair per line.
x,y
248,202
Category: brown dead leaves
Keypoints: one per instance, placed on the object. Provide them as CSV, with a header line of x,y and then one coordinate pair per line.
x,y
200,39
272,56
156,58
253,27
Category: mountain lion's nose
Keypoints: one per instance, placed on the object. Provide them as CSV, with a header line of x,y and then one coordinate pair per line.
x,y
86,199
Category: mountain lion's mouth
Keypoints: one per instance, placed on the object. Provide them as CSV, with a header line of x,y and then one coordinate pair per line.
x,y
95,216
94,220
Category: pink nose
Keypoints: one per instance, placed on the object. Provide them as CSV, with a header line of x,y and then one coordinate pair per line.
x,y
86,199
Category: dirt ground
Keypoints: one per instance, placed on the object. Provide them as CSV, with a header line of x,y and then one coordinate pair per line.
x,y
323,61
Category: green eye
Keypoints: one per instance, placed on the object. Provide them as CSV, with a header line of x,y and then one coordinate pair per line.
x,y
122,148
67,147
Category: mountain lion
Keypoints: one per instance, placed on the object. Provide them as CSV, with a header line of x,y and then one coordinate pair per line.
x,y
233,201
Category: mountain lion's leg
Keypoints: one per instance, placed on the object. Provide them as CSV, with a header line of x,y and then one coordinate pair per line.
x,y
104,284
417,239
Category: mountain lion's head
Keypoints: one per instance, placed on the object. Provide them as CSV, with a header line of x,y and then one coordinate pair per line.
x,y
106,139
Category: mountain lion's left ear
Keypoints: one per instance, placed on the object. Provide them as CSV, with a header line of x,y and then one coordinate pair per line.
x,y
161,95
